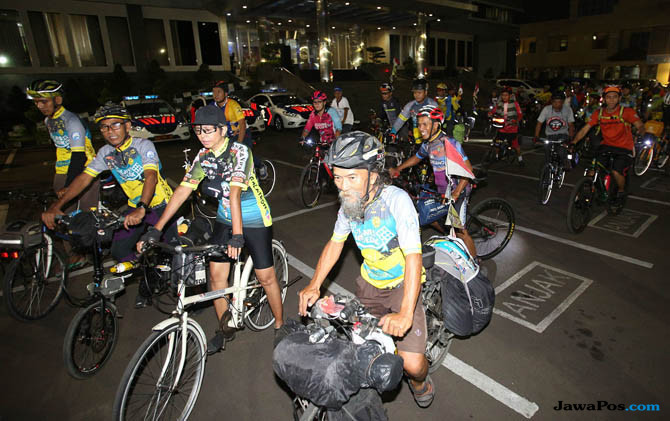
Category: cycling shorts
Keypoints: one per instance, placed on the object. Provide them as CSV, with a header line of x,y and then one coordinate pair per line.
x,y
380,302
623,158
257,240
511,138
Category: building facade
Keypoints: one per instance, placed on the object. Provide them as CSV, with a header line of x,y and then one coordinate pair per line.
x,y
602,39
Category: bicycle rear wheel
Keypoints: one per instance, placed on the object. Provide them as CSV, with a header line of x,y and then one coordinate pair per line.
x,y
33,283
438,338
90,340
643,160
259,316
579,206
545,184
491,226
147,390
310,185
267,177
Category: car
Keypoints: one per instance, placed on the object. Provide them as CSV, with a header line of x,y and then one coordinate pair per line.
x,y
286,110
155,119
253,116
524,87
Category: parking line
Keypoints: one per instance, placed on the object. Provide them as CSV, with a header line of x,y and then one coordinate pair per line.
x,y
9,160
630,196
468,373
288,164
301,211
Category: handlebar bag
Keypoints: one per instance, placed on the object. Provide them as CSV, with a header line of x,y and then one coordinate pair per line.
x,y
329,373
430,210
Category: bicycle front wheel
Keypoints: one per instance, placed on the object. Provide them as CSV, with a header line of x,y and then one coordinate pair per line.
x,y
545,184
643,160
491,225
33,283
259,316
149,388
90,340
267,177
310,185
438,338
579,206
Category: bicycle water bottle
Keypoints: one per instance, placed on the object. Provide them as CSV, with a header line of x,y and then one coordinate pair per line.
x,y
122,267
607,182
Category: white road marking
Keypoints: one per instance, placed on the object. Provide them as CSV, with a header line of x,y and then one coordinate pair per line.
x,y
470,374
651,218
544,323
301,211
288,164
630,196
9,160
596,250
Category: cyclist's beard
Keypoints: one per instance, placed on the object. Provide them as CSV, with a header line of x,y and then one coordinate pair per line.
x,y
353,206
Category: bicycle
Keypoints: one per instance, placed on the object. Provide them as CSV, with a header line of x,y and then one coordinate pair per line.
x,y
553,171
36,275
316,175
597,186
500,150
170,363
650,149
341,317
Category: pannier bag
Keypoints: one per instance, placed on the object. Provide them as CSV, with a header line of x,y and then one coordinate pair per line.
x,y
20,234
329,373
467,295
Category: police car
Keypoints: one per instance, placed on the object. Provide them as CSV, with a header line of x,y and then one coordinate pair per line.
x,y
253,116
155,119
286,110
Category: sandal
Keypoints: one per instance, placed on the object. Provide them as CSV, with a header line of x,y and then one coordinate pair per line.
x,y
425,396
77,265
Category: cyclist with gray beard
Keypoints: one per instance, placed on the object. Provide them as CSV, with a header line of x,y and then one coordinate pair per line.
x,y
385,226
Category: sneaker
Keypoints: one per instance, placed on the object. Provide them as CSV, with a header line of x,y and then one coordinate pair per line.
x,y
425,396
521,162
140,301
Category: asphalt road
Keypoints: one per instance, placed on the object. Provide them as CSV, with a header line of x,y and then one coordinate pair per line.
x,y
597,332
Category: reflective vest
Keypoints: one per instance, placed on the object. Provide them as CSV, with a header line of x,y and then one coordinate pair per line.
x,y
511,119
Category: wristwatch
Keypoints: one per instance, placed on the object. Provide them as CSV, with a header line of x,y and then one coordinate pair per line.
x,y
141,204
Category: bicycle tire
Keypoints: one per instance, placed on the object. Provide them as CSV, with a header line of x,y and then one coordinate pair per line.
x,y
579,206
483,229
148,361
545,184
310,185
438,338
25,284
259,316
98,335
268,182
489,157
643,160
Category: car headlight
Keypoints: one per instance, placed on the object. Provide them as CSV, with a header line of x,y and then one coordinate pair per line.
x,y
290,114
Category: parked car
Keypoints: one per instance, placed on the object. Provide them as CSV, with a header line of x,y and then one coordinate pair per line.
x,y
286,110
155,119
524,87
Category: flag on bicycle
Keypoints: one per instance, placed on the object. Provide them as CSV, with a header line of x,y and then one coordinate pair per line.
x,y
454,163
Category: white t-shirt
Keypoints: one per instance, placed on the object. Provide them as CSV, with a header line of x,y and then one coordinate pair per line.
x,y
340,110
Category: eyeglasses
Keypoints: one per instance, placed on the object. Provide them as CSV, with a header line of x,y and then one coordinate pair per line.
x,y
204,130
107,127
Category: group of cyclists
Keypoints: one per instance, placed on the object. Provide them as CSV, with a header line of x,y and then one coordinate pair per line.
x,y
381,217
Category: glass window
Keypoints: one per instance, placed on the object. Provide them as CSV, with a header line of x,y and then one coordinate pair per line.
x,y
451,53
150,108
57,39
13,47
210,43
563,45
183,42
441,52
157,45
41,37
532,47
394,42
431,51
119,37
640,40
461,54
468,54
88,40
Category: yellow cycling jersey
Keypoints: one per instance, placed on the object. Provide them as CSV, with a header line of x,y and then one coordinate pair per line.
x,y
68,135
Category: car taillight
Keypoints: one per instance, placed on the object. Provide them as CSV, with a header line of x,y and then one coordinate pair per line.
x,y
14,255
4,255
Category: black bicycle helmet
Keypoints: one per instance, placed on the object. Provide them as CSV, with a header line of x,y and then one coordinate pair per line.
x,y
419,85
356,150
558,95
111,110
44,89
